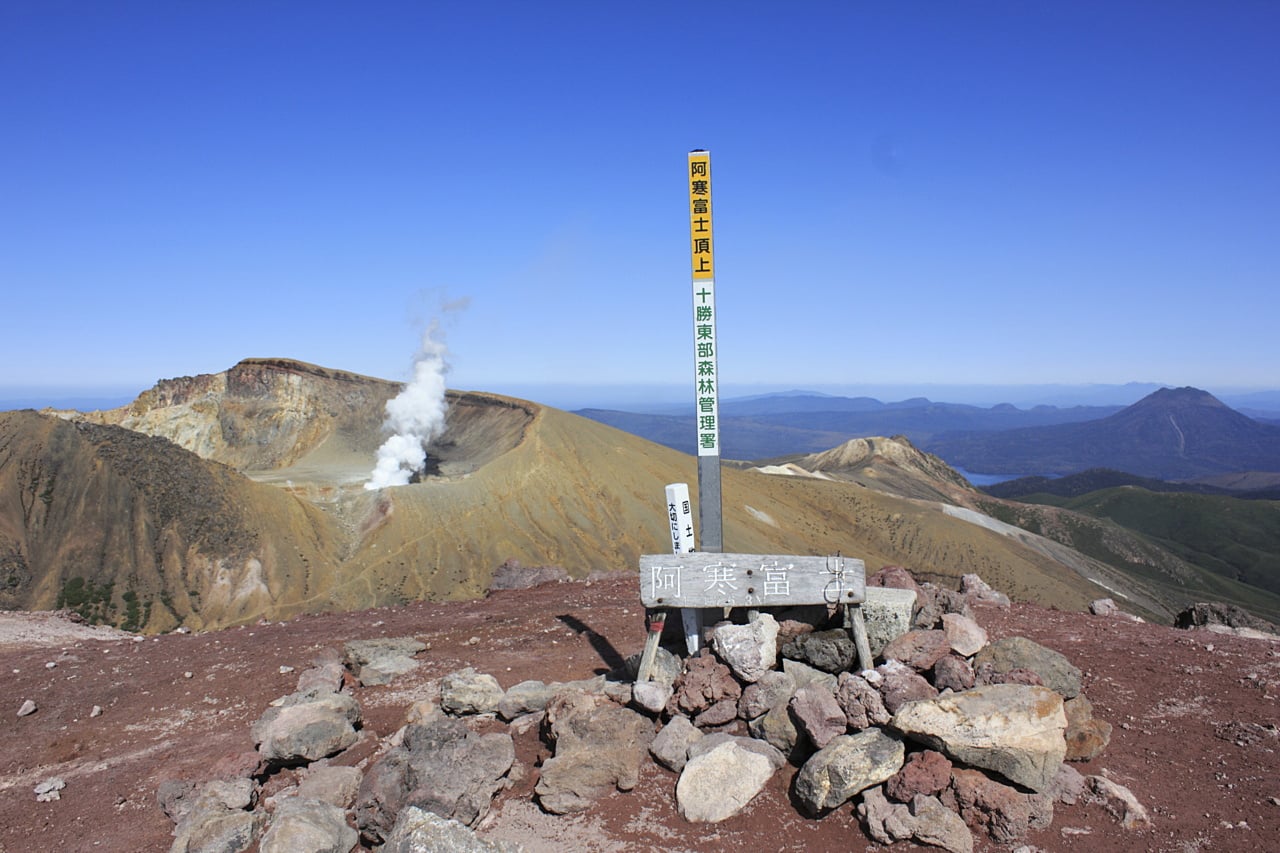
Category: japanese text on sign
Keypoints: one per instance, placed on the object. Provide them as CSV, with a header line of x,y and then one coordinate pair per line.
x,y
749,580
701,246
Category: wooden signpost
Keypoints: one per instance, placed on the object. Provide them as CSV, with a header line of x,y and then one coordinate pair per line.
x,y
692,581
753,581
749,580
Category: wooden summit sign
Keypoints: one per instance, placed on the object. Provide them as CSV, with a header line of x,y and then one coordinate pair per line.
x,y
706,580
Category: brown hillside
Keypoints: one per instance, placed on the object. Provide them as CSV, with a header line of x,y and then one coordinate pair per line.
x,y
295,531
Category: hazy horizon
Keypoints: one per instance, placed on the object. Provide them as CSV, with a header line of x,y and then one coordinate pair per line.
x,y
645,396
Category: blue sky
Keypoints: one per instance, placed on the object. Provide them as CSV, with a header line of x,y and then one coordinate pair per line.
x,y
995,193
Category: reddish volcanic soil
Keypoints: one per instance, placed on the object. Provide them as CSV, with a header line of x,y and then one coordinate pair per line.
x,y
1195,719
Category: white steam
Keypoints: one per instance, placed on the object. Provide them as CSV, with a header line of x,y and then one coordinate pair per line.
x,y
415,416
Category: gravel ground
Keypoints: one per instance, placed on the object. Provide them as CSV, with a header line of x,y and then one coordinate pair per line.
x,y
1195,719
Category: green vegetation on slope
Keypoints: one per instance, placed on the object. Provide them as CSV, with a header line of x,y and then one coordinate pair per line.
x,y
1200,547
1233,538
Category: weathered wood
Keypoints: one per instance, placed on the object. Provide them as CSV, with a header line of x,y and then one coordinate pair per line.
x,y
708,580
858,629
655,623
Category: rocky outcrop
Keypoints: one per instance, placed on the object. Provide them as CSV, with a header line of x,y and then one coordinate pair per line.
x,y
380,660
1012,729
916,764
306,726
598,748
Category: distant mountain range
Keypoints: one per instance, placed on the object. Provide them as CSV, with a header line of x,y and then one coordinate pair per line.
x,y
784,424
1171,434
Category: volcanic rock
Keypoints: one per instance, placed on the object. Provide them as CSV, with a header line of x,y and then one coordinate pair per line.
x,y
900,685
919,650
1003,812
380,660
599,747
306,726
773,687
421,831
719,783
1014,730
965,636
1086,736
887,614
442,767
845,766
830,651
704,682
862,704
1054,669
469,692
671,745
925,772
817,713
953,673
308,826
750,650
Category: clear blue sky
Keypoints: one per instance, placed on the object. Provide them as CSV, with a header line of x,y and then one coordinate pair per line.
x,y
961,192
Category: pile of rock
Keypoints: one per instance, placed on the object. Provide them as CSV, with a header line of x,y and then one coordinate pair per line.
x,y
949,735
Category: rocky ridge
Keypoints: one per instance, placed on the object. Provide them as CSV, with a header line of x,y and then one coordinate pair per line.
x,y
949,737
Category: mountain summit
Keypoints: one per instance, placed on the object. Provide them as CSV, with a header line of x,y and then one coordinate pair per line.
x,y
1171,434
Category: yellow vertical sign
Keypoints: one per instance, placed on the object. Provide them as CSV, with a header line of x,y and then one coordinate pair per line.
x,y
704,304
700,246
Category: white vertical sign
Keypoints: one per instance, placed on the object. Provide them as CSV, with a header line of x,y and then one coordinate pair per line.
x,y
680,517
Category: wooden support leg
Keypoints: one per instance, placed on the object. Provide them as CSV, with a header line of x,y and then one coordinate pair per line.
x,y
657,620
858,628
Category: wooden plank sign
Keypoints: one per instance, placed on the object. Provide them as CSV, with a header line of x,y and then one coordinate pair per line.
x,y
707,580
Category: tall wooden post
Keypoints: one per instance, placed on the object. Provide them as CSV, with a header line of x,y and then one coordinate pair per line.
x,y
706,376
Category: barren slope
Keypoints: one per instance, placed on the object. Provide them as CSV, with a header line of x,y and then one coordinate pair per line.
x,y
508,479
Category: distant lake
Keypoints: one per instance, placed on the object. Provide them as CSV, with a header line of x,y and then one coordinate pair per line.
x,y
989,479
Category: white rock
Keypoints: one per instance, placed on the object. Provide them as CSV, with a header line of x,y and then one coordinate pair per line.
x,y
28,708
750,650
47,790
718,784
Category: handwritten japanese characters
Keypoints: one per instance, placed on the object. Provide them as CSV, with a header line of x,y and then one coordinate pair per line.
x,y
749,580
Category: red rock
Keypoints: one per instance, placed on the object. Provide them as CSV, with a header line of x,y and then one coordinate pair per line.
x,y
704,682
954,673
895,577
1002,811
919,650
927,772
902,685
818,714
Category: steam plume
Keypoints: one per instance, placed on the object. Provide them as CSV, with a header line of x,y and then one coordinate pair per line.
x,y
414,416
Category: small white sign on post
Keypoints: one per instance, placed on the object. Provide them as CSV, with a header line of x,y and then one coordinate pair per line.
x,y
680,515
